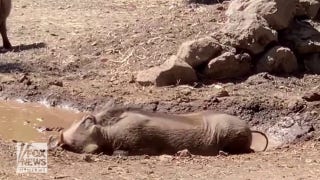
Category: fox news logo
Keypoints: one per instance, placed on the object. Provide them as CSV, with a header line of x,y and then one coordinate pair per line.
x,y
32,158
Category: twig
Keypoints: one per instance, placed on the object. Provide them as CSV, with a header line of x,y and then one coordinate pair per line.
x,y
152,39
125,59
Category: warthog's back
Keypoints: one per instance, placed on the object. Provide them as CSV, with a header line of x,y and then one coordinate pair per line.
x,y
167,120
5,7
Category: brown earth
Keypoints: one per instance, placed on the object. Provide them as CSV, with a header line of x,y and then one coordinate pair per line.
x,y
80,53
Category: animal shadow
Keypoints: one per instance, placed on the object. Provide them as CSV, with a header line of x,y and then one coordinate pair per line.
x,y
24,47
11,67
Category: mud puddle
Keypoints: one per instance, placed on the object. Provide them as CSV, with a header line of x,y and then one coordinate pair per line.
x,y
32,122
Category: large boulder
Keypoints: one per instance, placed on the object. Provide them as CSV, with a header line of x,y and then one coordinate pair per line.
x,y
303,37
277,60
200,51
248,32
228,65
171,72
312,63
278,13
309,8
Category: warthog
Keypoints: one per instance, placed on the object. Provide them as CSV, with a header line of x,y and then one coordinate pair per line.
x,y
139,132
5,8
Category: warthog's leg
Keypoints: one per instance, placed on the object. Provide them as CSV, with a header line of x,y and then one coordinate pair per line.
x,y
120,153
3,31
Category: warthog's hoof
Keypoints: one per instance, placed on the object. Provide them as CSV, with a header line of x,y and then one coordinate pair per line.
x,y
184,153
120,153
222,153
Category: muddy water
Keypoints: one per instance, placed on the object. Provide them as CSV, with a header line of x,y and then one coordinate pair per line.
x,y
31,122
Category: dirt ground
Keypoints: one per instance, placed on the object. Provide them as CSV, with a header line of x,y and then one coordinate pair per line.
x,y
82,54
299,161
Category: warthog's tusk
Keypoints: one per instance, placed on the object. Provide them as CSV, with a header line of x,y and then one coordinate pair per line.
x,y
60,142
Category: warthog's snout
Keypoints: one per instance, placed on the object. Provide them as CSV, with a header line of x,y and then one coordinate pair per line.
x,y
5,8
82,136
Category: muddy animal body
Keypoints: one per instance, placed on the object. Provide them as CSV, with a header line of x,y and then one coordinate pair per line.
x,y
5,8
141,132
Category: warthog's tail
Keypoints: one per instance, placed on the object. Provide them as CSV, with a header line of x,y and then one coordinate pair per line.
x,y
264,135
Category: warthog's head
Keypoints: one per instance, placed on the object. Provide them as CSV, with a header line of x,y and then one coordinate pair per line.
x,y
82,136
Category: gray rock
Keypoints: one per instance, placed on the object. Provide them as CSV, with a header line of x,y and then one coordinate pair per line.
x,y
277,13
303,37
312,63
277,60
171,72
200,51
309,8
311,96
247,31
228,65
287,129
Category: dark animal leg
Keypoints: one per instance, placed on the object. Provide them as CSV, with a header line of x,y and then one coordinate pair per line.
x,y
3,31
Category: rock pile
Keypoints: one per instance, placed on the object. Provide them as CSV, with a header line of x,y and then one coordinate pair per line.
x,y
275,36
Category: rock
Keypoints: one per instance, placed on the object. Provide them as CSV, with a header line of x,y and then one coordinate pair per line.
x,y
228,65
312,63
222,93
87,158
286,130
309,8
248,32
7,79
56,83
171,72
277,13
277,60
303,37
296,105
23,78
165,158
311,96
200,51
310,161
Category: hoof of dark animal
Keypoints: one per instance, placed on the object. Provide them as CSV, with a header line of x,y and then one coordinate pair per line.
x,y
7,46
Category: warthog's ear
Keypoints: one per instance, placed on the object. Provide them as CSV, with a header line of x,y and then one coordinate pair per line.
x,y
94,130
61,141
55,142
52,143
109,105
89,121
90,148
